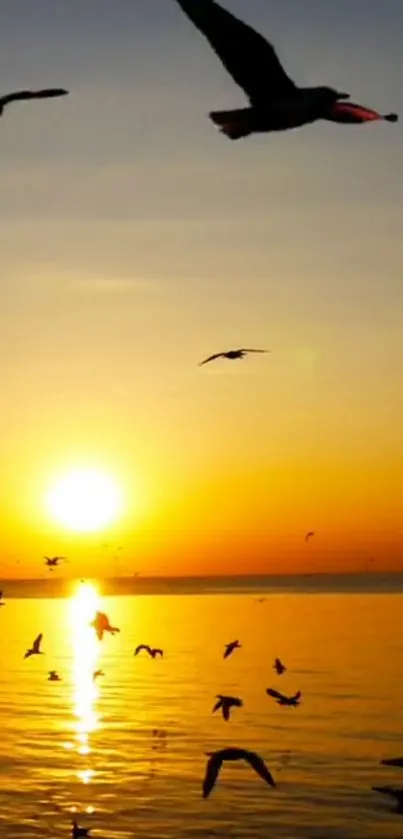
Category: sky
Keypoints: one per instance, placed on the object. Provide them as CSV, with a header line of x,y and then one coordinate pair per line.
x,y
135,240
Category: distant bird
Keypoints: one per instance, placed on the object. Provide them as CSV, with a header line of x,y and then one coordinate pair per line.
x,y
79,832
231,354
53,561
54,676
18,96
229,648
218,758
284,700
101,624
394,792
276,103
1,598
279,667
152,651
393,761
35,649
96,674
225,703
309,535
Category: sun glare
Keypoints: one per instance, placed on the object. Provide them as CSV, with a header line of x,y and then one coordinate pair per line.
x,y
83,606
85,500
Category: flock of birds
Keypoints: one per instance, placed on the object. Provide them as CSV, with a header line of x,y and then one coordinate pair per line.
x,y
276,103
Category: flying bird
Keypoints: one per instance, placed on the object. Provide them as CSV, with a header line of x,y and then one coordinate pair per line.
x,y
281,699
393,761
152,651
229,648
53,561
394,792
101,624
225,703
96,674
79,832
309,535
216,759
279,667
35,649
231,355
20,95
276,103
54,676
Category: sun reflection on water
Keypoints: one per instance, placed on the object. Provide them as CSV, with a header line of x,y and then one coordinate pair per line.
x,y
85,655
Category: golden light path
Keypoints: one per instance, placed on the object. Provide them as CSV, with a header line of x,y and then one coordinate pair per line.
x,y
85,651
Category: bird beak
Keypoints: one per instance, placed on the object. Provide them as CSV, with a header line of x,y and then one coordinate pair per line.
x,y
343,95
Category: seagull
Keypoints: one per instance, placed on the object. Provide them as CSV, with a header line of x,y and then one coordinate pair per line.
x,y
216,759
275,102
393,761
79,832
152,651
279,667
35,649
96,674
20,95
231,354
229,648
309,535
394,792
54,676
101,624
226,703
53,561
284,700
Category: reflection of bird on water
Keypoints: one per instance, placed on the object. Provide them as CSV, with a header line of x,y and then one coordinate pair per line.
x,y
394,792
279,667
230,354
79,832
216,759
229,648
309,535
393,761
53,561
284,700
226,703
101,624
276,103
96,674
22,95
54,676
152,651
35,649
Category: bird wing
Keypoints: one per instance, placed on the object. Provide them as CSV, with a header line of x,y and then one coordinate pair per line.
x,y
211,358
275,694
142,647
297,695
260,767
158,652
212,769
226,711
386,790
218,705
246,55
246,349
99,632
47,93
393,761
37,643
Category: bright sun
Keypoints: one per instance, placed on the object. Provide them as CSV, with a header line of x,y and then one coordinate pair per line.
x,y
85,500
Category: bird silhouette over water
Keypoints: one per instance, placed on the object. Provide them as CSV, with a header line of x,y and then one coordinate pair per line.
x,y
96,674
225,703
79,832
394,792
53,561
216,759
279,667
54,676
152,651
309,535
232,355
36,647
276,103
281,699
229,648
22,95
101,624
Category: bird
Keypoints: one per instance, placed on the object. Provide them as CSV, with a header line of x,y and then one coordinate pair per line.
x,y
394,792
225,703
20,95
276,103
35,649
54,676
53,561
1,598
216,759
152,651
96,674
309,535
229,648
232,355
101,624
284,700
279,667
393,761
79,832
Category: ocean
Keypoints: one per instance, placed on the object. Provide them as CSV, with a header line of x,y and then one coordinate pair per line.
x,y
125,755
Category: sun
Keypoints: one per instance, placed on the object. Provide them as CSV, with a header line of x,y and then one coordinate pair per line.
x,y
85,500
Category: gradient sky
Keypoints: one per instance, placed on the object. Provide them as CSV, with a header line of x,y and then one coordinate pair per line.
x,y
135,240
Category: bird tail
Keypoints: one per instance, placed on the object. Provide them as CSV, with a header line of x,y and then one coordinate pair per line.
x,y
234,124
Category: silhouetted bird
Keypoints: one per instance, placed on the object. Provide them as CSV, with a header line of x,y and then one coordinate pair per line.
x,y
229,648
225,703
1,598
394,792
101,624
35,649
53,561
96,674
279,667
79,832
232,355
21,95
284,700
393,761
276,103
309,535
152,651
54,676
218,758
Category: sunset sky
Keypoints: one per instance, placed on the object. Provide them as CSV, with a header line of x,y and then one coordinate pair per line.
x,y
135,240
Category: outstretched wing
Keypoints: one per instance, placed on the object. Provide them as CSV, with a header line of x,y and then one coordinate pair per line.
x,y
245,349
226,711
392,791
393,761
276,694
246,55
211,358
296,696
212,770
19,95
218,704
142,647
37,643
158,652
260,767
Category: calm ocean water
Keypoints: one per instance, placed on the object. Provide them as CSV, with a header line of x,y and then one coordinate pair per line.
x,y
74,748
